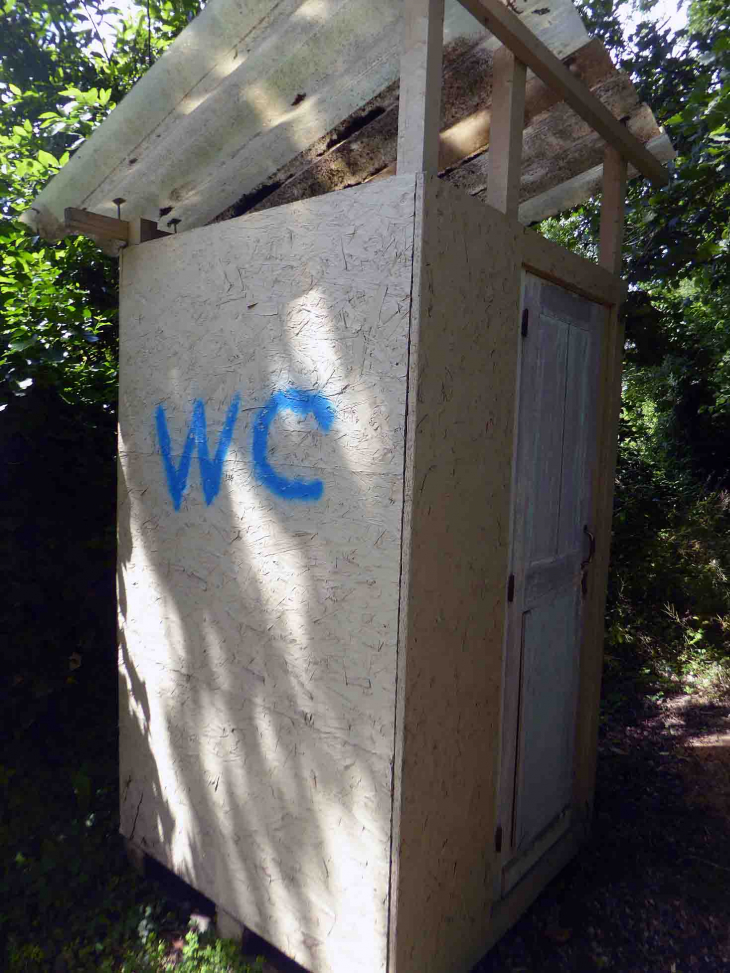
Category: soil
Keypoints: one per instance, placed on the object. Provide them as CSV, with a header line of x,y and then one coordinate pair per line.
x,y
650,893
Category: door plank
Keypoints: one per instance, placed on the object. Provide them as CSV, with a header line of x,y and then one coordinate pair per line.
x,y
577,426
544,499
550,676
553,487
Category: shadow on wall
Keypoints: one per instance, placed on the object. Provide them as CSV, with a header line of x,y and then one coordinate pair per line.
x,y
260,501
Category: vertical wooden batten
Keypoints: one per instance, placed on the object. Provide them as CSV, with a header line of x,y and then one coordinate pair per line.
x,y
613,204
419,103
609,392
142,230
505,139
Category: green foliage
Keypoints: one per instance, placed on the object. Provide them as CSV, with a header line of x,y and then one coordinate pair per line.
x,y
669,598
59,78
69,901
68,898
199,954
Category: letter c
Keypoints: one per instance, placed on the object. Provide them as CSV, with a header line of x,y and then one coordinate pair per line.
x,y
301,402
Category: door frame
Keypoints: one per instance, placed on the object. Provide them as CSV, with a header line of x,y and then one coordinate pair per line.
x,y
547,853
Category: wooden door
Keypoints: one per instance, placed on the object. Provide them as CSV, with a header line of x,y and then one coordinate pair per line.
x,y
552,541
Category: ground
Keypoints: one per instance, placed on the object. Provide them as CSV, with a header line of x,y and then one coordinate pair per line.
x,y
651,891
648,894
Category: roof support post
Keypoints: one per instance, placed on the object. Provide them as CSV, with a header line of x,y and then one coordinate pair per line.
x,y
419,105
505,133
613,205
508,28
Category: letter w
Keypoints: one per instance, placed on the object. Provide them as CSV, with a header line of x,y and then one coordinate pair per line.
x,y
210,469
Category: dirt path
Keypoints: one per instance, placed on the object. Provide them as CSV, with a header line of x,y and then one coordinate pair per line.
x,y
651,892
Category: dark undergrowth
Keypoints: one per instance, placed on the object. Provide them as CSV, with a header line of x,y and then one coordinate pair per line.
x,y
647,894
70,902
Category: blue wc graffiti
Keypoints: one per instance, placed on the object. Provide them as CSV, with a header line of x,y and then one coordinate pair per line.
x,y
211,470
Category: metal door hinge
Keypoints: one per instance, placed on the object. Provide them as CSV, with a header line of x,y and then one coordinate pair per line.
x,y
511,588
525,322
498,839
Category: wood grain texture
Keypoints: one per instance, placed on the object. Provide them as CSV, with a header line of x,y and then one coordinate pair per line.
x,y
613,205
456,523
575,190
553,262
609,408
508,27
80,221
258,633
508,910
419,103
505,136
553,500
143,231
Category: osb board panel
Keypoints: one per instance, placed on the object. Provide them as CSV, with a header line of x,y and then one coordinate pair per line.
x,y
462,381
263,359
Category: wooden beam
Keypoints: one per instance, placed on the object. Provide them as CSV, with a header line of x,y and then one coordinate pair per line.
x,y
507,124
525,45
419,105
94,225
142,230
553,262
613,205
573,191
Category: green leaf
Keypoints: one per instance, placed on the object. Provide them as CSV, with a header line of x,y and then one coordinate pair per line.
x,y
47,159
21,344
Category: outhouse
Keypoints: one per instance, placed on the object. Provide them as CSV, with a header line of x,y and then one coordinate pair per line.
x,y
367,430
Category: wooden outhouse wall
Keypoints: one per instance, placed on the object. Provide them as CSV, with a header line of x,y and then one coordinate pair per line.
x,y
317,440
458,471
259,626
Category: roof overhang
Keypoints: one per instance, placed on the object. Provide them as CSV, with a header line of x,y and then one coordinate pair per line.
x,y
257,104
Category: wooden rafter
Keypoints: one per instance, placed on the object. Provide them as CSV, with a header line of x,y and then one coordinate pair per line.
x,y
107,229
94,225
508,28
